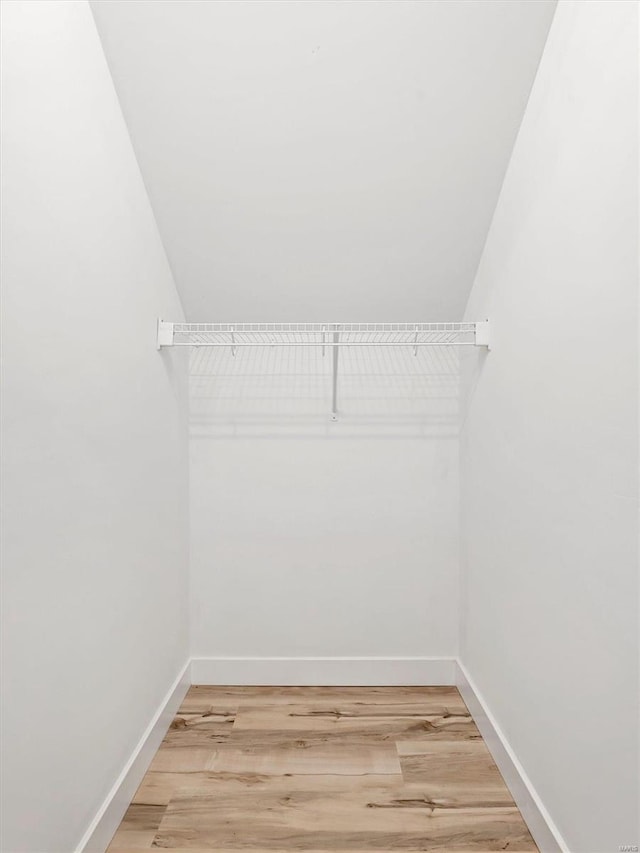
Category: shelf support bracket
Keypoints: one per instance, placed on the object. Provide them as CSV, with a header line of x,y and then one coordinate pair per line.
x,y
336,351
482,334
165,334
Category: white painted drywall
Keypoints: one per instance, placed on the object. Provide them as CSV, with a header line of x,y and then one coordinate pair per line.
x,y
312,538
549,449
326,159
94,436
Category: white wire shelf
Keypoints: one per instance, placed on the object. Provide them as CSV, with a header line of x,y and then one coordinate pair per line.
x,y
332,336
322,334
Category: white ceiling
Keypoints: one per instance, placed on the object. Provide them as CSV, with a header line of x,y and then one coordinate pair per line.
x,y
323,160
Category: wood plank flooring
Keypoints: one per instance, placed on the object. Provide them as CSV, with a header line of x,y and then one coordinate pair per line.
x,y
322,769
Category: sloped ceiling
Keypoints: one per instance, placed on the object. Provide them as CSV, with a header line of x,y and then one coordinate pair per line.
x,y
319,160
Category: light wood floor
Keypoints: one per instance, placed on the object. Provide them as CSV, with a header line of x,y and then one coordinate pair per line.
x,y
323,769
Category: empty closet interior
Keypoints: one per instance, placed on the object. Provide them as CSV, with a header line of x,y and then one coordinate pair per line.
x,y
320,370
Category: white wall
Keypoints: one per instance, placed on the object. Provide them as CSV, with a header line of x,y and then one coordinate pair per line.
x,y
94,436
312,538
549,455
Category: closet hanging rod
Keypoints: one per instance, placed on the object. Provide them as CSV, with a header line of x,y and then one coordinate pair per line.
x,y
234,335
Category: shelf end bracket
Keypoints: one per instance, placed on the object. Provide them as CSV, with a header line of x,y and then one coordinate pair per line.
x,y
165,334
482,334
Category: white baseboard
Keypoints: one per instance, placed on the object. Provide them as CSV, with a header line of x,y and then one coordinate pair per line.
x,y
329,671
102,829
545,833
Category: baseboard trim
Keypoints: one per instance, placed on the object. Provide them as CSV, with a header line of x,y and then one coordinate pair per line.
x,y
327,671
545,833
102,829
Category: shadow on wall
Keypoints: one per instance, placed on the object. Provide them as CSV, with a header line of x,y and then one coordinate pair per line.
x,y
470,369
271,392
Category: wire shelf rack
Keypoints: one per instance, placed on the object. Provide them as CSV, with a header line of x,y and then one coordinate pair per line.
x,y
330,337
320,334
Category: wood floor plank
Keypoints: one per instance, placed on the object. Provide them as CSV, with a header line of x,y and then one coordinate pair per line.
x,y
200,698
282,849
461,771
158,788
218,849
177,760
201,731
348,724
139,826
307,759
310,717
302,816
192,739
448,761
